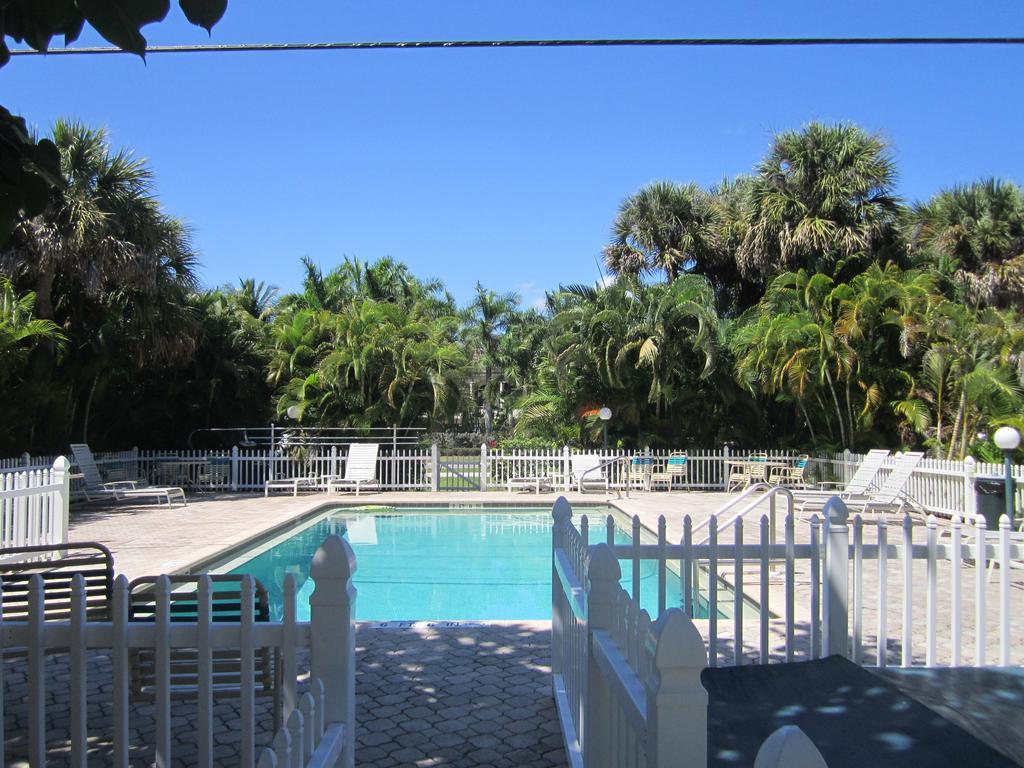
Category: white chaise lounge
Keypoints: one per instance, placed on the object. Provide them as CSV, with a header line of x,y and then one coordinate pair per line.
x,y
587,470
293,484
360,469
889,496
859,485
95,487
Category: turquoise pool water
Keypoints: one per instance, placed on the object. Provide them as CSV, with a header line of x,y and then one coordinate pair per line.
x,y
426,564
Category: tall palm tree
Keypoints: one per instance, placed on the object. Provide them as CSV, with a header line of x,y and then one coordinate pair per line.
x,y
664,227
821,199
103,228
109,266
975,233
488,317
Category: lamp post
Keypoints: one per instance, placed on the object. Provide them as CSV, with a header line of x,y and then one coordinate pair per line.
x,y
605,414
1007,439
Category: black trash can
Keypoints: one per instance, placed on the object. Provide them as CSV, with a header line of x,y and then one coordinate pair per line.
x,y
990,499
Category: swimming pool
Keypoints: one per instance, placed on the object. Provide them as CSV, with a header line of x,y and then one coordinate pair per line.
x,y
433,564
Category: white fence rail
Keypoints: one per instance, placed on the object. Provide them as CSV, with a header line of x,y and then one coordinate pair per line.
x,y
628,690
329,635
34,506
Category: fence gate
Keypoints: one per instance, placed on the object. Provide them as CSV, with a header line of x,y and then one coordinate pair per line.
x,y
460,472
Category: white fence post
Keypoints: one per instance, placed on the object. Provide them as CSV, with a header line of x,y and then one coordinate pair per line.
x,y
483,466
61,476
789,747
676,698
847,466
837,577
567,467
561,514
234,467
435,468
26,459
725,466
603,576
970,470
332,635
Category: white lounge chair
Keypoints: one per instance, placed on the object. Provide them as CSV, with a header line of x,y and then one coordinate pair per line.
x,y
889,496
587,470
861,482
360,468
119,490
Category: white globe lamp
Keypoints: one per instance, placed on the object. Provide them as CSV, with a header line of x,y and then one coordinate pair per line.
x,y
1007,439
605,415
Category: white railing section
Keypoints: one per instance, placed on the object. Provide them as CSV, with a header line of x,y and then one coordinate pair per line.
x,y
34,506
706,469
247,469
628,690
306,740
937,486
329,635
926,595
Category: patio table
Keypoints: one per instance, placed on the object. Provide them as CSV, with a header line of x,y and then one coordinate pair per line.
x,y
181,471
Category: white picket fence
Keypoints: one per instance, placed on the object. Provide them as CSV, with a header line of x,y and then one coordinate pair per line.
x,y
628,690
306,740
34,505
937,486
329,636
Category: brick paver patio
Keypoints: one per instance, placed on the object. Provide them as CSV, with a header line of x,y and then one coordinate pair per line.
x,y
460,697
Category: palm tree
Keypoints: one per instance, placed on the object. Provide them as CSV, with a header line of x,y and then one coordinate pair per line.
x,y
664,227
109,266
103,229
20,330
975,234
967,378
822,198
791,343
630,345
488,317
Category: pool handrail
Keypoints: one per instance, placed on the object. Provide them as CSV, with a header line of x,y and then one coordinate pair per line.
x,y
772,492
750,490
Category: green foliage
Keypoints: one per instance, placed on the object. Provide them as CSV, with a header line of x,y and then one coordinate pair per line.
x,y
29,169
521,443
822,200
974,235
800,306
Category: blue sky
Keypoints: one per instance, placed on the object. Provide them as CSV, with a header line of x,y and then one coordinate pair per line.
x,y
507,166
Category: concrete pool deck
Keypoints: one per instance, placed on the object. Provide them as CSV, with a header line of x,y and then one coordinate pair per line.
x,y
146,539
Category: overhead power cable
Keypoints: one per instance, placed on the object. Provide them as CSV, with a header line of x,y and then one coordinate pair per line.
x,y
643,42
